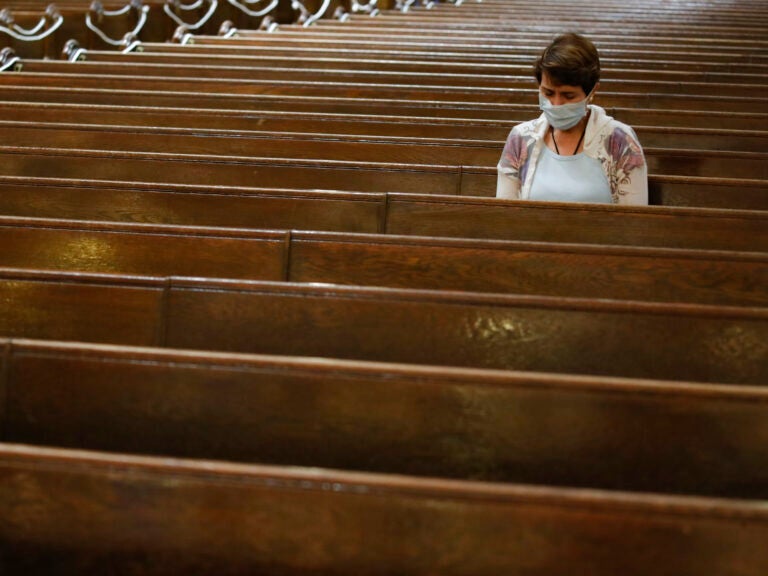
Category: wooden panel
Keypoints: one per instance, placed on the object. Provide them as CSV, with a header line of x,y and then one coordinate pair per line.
x,y
524,268
532,428
93,512
552,221
245,171
234,207
371,90
142,249
635,116
462,329
75,307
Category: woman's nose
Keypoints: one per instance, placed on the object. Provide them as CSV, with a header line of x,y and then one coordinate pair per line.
x,y
556,100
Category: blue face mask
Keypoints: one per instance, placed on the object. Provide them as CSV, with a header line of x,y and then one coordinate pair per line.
x,y
564,116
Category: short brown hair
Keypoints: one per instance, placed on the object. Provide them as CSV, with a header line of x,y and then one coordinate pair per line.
x,y
570,59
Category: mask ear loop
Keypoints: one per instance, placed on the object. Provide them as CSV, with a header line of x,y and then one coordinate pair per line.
x,y
591,95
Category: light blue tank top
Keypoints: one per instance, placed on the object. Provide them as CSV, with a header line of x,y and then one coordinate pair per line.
x,y
577,178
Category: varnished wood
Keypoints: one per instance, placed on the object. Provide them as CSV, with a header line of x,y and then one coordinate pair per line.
x,y
411,214
653,226
566,335
233,123
166,516
520,268
731,119
342,175
482,86
569,270
136,80
349,148
240,56
501,426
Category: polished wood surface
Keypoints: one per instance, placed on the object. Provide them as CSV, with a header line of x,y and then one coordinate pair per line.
x,y
392,213
551,334
165,516
541,268
353,148
500,426
260,314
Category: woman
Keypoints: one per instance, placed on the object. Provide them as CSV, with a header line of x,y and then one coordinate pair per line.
x,y
574,152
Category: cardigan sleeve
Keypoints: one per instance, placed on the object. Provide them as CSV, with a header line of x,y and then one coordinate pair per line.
x,y
511,167
629,171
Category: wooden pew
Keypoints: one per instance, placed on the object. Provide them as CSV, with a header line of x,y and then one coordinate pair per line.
x,y
569,270
484,84
21,549
350,148
73,76
232,123
343,175
538,221
539,269
680,22
386,106
143,249
487,42
499,426
551,334
233,207
412,214
98,511
687,19
210,56
534,31
171,168
374,46
111,21
629,62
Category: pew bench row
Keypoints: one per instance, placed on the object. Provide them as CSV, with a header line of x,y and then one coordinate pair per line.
x,y
215,145
385,213
51,73
532,428
566,270
466,329
170,516
473,132
393,109
351,176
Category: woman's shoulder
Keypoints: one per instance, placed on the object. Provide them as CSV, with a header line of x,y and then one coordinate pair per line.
x,y
607,125
529,127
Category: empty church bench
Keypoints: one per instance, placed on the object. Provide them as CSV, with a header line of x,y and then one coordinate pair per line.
x,y
480,83
214,205
310,174
168,53
551,221
490,425
372,44
398,106
523,268
569,270
103,512
553,334
286,121
77,77
146,249
634,61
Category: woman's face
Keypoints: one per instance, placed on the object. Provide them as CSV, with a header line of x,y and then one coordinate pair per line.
x,y
558,94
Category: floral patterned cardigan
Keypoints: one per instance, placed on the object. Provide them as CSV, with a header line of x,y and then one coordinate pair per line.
x,y
609,141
